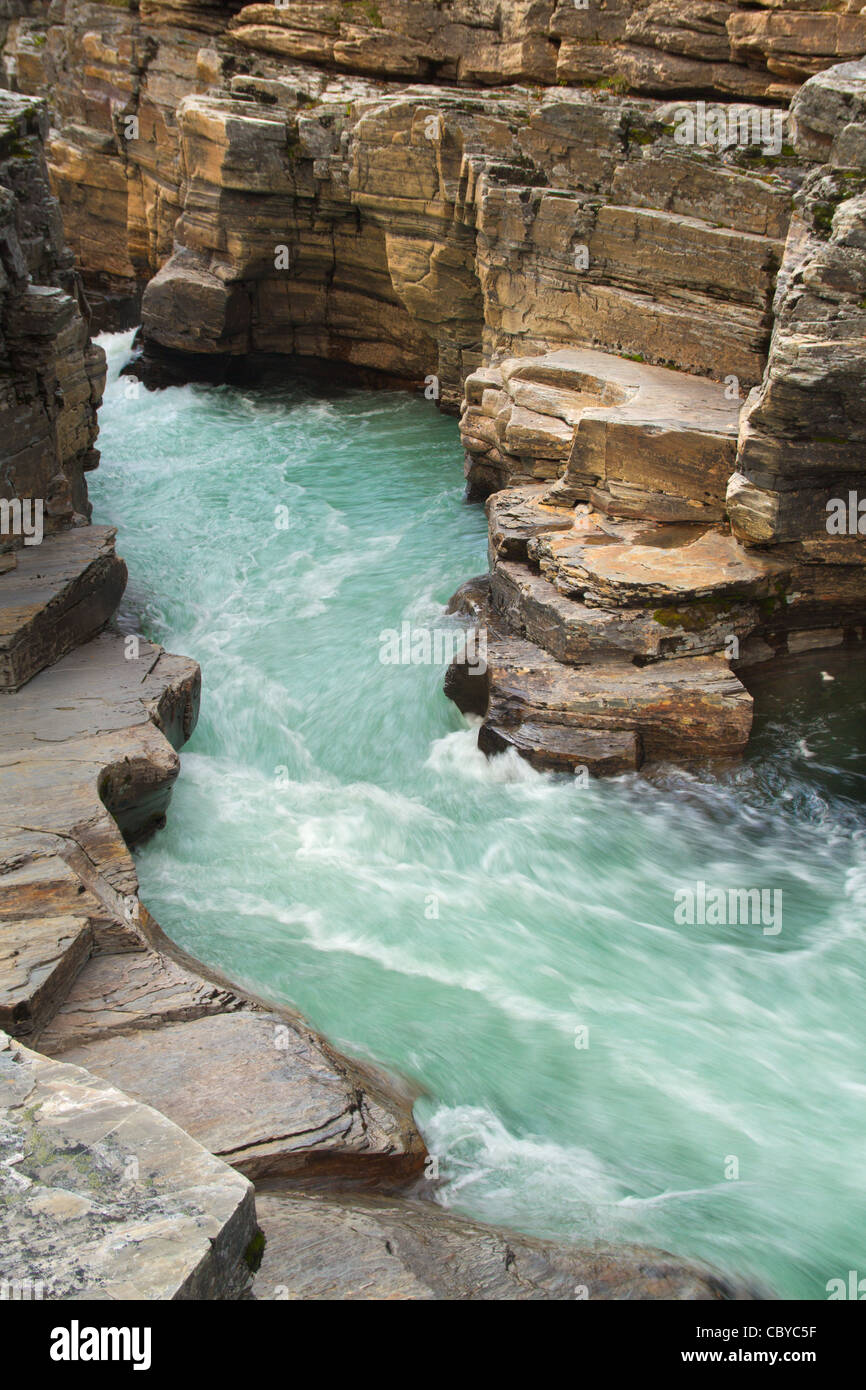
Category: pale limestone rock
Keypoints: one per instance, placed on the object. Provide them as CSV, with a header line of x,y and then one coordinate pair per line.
x,y
105,1198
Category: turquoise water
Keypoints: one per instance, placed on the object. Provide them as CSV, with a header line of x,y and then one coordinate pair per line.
x,y
336,841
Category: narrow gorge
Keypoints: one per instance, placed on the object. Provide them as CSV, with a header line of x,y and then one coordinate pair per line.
x,y
439,939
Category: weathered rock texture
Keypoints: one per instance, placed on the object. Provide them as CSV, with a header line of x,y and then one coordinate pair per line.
x,y
648,537
803,431
51,376
276,189
387,1248
103,1198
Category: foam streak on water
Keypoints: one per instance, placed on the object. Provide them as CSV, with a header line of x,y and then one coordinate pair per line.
x,y
330,806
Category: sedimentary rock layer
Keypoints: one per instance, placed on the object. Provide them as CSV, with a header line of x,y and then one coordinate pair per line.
x,y
51,375
374,1247
272,188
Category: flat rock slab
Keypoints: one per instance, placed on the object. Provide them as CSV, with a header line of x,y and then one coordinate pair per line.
x,y
709,565
101,1197
377,1248
59,594
574,633
648,392
516,514
579,632
93,691
96,731
265,1094
684,707
636,440
560,748
39,957
122,990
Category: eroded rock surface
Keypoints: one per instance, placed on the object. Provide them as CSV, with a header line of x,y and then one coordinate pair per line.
x,y
351,1247
51,375
501,204
104,1198
268,183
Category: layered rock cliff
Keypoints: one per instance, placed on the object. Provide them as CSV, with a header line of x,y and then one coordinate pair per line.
x,y
461,196
52,376
622,238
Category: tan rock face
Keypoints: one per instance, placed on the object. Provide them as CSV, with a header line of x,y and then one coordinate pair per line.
x,y
279,192
634,440
438,256
414,234
802,439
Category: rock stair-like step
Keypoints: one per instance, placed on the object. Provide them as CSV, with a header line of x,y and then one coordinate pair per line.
x,y
685,707
634,440
668,565
517,514
39,959
577,632
58,595
258,1089
119,991
564,748
534,608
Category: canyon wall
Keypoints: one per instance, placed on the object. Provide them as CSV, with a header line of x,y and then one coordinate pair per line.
x,y
296,197
655,338
624,240
51,376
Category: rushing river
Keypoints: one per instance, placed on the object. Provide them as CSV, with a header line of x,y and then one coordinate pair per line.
x,y
505,938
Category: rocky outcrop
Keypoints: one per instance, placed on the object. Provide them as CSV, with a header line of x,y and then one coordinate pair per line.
x,y
776,566
271,188
803,431
572,224
51,376
386,1248
104,1198
90,724
569,223
634,440
60,593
